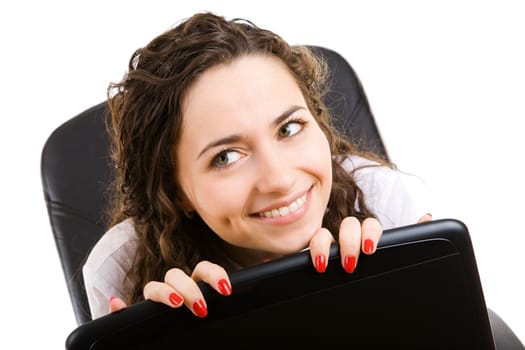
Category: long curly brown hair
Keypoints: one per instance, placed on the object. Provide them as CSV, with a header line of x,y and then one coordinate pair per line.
x,y
145,125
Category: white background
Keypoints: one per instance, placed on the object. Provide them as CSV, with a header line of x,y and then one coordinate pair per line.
x,y
446,81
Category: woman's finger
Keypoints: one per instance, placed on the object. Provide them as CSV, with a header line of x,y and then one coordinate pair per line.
x,y
214,275
177,289
349,243
371,232
320,249
163,293
188,289
116,304
425,218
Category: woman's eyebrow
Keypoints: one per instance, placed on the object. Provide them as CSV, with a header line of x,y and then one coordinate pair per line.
x,y
286,114
222,141
237,137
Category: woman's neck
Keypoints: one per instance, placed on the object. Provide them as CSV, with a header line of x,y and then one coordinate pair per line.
x,y
244,257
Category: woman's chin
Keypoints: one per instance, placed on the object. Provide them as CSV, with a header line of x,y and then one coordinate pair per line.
x,y
291,248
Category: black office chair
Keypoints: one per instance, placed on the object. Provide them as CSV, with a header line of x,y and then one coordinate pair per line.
x,y
76,170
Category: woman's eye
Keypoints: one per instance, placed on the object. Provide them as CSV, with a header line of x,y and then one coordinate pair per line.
x,y
290,129
225,158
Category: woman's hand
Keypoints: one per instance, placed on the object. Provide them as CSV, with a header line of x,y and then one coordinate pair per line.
x,y
424,218
116,304
354,238
179,289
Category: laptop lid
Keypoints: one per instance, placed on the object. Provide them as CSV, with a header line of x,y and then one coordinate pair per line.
x,y
421,289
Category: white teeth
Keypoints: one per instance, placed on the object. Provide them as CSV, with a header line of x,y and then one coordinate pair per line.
x,y
283,211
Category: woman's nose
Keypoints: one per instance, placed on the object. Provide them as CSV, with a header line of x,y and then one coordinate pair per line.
x,y
274,173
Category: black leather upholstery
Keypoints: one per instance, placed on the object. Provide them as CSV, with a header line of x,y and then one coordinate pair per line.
x,y
503,335
76,171
349,105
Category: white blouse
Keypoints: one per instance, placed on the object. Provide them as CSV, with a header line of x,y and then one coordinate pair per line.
x,y
397,199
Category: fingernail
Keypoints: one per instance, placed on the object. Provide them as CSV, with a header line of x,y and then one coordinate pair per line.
x,y
224,287
175,299
200,308
111,299
368,246
349,264
320,263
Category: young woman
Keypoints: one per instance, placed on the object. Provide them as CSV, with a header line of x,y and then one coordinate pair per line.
x,y
226,157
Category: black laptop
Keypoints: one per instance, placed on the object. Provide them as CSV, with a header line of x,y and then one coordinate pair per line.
x,y
420,290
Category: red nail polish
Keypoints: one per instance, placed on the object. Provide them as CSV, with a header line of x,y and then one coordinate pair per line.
x,y
349,264
200,308
175,299
111,299
224,287
368,246
320,263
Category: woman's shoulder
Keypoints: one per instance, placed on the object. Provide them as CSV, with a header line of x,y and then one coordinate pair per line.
x,y
107,265
368,171
397,198
352,162
118,243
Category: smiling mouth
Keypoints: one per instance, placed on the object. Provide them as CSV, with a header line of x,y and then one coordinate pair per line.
x,y
283,211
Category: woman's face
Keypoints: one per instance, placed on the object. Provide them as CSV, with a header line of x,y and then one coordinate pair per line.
x,y
253,162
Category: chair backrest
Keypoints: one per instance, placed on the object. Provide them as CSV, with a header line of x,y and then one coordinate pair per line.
x,y
76,170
